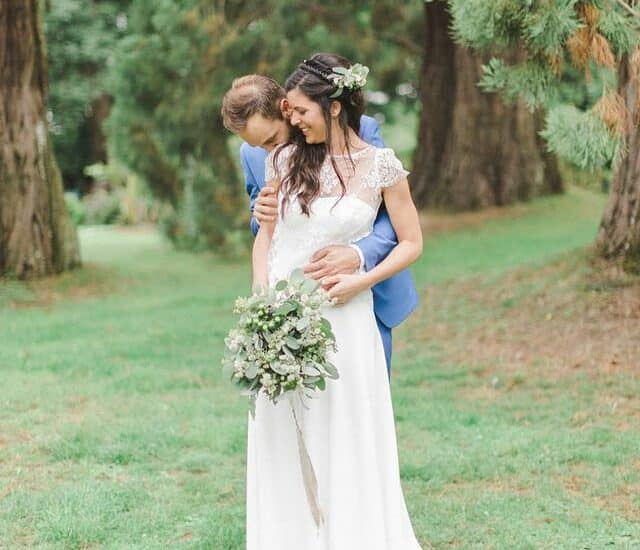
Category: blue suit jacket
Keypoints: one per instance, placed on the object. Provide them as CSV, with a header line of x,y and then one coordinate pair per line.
x,y
393,299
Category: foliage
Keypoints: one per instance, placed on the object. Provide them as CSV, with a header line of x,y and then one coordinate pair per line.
x,y
393,33
136,204
75,208
80,39
591,35
117,197
101,207
580,137
169,74
529,80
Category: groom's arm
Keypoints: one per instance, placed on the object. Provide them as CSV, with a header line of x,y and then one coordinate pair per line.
x,y
252,187
376,246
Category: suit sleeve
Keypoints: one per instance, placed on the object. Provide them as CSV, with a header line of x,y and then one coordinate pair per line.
x,y
252,188
374,138
376,246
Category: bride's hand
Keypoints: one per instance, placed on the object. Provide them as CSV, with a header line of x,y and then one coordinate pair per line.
x,y
343,287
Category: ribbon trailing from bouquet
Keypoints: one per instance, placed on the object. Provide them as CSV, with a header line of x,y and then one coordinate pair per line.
x,y
308,474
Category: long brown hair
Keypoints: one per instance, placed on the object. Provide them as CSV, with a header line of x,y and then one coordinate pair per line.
x,y
312,78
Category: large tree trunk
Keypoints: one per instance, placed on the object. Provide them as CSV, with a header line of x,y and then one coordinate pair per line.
x,y
619,235
36,235
473,149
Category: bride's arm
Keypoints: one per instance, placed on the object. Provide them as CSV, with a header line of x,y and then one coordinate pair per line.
x,y
260,253
404,218
261,246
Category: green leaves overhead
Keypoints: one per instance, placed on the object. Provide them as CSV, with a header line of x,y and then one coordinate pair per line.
x,y
580,137
80,39
616,28
485,24
530,81
547,30
531,42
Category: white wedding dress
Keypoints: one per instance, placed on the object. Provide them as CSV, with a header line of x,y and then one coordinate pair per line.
x,y
349,428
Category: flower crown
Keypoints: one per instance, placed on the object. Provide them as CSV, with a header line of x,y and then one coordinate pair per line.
x,y
353,78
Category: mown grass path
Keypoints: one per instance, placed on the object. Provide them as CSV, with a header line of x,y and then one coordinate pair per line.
x,y
117,429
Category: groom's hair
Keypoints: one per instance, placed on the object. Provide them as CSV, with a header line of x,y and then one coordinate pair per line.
x,y
249,95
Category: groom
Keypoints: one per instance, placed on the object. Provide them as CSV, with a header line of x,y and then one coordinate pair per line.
x,y
255,108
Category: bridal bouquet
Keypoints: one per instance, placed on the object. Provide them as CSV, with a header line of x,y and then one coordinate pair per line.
x,y
279,346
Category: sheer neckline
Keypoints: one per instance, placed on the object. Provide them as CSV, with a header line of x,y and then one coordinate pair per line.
x,y
354,153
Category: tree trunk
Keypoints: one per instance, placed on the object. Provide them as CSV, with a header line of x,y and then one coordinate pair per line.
x,y
619,235
37,237
473,149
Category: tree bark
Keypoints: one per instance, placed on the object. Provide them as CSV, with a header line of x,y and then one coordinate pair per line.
x,y
619,234
473,149
37,237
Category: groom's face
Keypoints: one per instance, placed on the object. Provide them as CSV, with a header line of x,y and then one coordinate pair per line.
x,y
265,132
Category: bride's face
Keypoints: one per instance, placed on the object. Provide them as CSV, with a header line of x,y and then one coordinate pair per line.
x,y
307,115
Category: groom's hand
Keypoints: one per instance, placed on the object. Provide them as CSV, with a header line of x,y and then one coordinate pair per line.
x,y
265,209
332,260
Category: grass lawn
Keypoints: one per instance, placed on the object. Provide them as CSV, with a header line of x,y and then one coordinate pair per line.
x,y
515,388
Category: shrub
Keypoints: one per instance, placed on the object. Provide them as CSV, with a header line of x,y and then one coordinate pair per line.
x,y
75,207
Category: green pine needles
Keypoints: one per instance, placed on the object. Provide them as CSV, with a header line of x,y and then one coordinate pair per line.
x,y
533,41
580,137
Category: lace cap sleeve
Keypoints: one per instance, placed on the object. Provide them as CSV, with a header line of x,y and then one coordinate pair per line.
x,y
389,168
276,168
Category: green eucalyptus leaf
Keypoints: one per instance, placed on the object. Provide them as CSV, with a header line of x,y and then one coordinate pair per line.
x,y
252,406
302,323
331,370
292,343
309,285
278,367
227,369
286,308
251,371
325,327
310,370
297,276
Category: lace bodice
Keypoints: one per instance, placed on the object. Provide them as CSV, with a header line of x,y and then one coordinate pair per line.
x,y
333,219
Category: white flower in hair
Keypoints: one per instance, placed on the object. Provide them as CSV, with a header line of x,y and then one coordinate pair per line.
x,y
353,78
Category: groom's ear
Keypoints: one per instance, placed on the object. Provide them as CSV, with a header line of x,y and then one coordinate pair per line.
x,y
285,108
335,108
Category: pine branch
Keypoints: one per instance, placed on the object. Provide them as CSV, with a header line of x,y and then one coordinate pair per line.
x,y
628,8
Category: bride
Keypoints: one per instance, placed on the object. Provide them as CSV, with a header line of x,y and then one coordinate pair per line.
x,y
330,185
